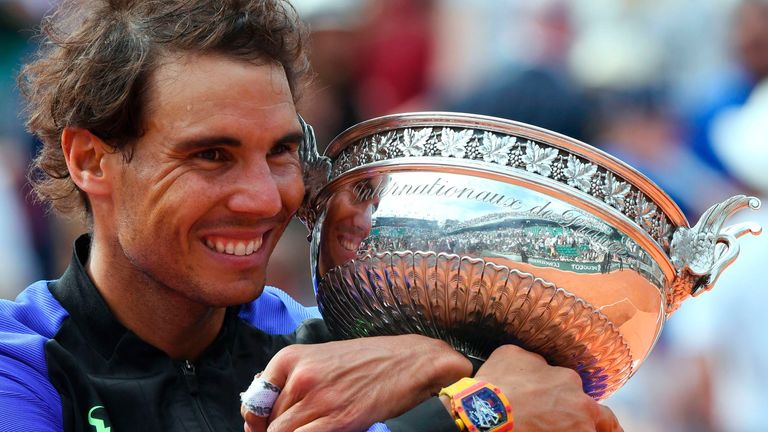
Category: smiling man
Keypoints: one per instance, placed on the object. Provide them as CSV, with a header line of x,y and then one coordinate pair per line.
x,y
191,220
170,126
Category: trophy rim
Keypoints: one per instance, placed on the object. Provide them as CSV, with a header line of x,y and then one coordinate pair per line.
x,y
509,127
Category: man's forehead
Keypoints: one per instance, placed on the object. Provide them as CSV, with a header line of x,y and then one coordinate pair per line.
x,y
201,80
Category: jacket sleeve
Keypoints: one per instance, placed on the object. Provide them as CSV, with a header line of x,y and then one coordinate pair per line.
x,y
25,402
429,416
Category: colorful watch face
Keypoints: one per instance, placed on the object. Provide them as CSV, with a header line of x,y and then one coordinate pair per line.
x,y
484,411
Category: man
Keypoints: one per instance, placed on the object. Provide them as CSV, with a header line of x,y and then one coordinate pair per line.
x,y
171,126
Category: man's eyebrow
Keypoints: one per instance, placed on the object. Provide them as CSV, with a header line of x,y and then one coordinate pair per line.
x,y
291,138
204,142
225,140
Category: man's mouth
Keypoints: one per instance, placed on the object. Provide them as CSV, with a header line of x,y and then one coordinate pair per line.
x,y
350,245
236,247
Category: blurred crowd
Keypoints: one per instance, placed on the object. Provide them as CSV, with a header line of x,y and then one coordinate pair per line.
x,y
676,88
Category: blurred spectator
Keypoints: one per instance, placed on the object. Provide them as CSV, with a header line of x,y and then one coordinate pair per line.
x,y
395,55
330,104
740,139
636,127
18,264
626,55
726,327
749,28
370,58
536,90
535,95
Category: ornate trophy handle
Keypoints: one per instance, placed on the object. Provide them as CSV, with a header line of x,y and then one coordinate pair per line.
x,y
317,170
702,252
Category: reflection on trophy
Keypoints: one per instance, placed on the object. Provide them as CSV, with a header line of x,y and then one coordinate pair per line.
x,y
482,232
348,224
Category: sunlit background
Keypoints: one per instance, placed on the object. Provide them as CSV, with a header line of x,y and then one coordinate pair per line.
x,y
676,88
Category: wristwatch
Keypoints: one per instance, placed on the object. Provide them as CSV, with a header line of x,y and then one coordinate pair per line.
x,y
479,406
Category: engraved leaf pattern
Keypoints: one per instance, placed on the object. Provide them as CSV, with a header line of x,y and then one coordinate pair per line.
x,y
414,141
645,210
579,174
342,164
382,143
368,151
662,228
356,158
454,143
615,191
496,148
539,159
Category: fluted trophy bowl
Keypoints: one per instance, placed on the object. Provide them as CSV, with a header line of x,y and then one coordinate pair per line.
x,y
482,231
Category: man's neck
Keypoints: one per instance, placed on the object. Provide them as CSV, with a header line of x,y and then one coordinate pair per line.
x,y
162,317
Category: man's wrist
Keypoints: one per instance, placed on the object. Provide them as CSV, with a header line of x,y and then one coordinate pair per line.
x,y
476,363
451,366
446,402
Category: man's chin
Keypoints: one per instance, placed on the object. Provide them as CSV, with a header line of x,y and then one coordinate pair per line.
x,y
234,293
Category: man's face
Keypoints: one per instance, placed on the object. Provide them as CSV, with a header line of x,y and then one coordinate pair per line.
x,y
213,182
347,224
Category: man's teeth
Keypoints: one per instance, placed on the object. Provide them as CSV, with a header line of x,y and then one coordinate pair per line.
x,y
234,247
349,245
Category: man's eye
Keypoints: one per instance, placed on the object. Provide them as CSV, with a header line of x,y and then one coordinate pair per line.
x,y
211,155
283,148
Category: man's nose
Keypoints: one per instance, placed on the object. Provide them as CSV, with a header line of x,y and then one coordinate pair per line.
x,y
362,218
255,191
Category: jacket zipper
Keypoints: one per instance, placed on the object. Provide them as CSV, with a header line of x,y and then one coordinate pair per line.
x,y
190,376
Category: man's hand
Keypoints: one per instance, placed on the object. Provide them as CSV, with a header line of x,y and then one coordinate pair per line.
x,y
544,397
349,385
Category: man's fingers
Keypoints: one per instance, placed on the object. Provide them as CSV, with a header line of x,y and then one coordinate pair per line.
x,y
325,424
277,373
279,367
607,421
252,422
294,417
299,382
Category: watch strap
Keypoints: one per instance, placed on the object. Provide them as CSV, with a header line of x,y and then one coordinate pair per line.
x,y
459,386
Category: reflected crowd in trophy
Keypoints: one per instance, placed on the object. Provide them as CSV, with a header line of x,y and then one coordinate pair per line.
x,y
557,244
677,89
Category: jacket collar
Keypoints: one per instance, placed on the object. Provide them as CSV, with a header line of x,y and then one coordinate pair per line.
x,y
90,313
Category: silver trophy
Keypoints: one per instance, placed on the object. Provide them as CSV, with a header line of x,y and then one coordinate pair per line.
x,y
482,231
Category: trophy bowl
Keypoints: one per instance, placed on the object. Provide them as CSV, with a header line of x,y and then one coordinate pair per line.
x,y
482,231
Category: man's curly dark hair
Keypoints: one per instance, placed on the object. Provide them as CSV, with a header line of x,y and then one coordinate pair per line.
x,y
97,56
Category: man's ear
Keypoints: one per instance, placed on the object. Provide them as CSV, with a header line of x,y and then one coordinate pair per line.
x,y
85,155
